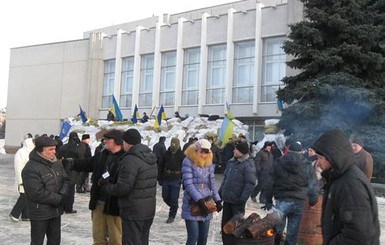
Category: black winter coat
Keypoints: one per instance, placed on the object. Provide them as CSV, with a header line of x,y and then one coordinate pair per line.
x,y
136,184
239,180
170,166
349,210
292,177
70,150
99,164
43,180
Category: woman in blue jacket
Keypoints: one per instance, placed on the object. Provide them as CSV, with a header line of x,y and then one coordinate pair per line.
x,y
199,182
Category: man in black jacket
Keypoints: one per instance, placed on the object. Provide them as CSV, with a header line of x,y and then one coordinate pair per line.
x,y
71,150
106,223
291,180
46,184
349,210
170,175
136,189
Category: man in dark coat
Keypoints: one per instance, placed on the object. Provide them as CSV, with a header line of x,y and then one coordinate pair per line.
x,y
85,152
136,189
238,183
263,164
349,210
106,223
71,150
46,184
291,180
159,148
170,175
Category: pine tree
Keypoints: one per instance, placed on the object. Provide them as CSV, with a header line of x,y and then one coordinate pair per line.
x,y
339,51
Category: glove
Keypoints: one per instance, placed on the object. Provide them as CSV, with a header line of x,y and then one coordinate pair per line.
x,y
103,181
267,206
68,164
219,206
202,207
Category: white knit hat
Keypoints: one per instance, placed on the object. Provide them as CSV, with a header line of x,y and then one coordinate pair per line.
x,y
203,144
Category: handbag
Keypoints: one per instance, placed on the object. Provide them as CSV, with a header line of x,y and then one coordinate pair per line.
x,y
210,205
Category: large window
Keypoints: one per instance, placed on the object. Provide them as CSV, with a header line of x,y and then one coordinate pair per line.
x,y
243,72
274,68
146,80
190,88
216,72
167,80
127,81
108,83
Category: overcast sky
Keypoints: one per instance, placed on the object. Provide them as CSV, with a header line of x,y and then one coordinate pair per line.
x,y
29,22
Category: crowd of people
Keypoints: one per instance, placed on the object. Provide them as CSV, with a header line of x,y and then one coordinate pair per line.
x,y
125,175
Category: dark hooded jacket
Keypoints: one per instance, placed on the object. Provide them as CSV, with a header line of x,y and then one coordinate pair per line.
x,y
349,210
45,184
136,184
292,177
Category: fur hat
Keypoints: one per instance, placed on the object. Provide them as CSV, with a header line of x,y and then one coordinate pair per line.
x,y
242,147
44,141
295,146
85,136
203,144
116,135
132,137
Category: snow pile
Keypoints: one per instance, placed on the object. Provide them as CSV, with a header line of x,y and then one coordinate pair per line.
x,y
198,127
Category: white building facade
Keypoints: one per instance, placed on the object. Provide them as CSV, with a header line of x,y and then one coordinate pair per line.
x,y
192,62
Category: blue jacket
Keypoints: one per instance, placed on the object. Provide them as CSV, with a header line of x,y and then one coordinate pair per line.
x,y
199,182
239,180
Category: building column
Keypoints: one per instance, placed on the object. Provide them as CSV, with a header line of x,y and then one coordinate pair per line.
x,y
203,65
137,63
179,65
118,65
257,56
95,73
157,65
229,56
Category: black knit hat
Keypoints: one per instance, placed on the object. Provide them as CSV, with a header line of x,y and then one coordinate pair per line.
x,y
358,141
295,146
44,141
116,135
242,147
132,137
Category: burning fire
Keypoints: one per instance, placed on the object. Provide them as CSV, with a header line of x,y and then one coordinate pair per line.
x,y
270,233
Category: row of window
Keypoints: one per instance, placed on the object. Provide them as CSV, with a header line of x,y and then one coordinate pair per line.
x,y
243,85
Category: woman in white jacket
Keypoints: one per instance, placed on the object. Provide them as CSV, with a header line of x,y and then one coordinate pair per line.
x,y
21,158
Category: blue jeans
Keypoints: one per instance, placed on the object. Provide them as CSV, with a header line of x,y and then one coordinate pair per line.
x,y
170,195
197,232
292,211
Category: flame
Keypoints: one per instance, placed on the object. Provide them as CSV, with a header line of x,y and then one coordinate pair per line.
x,y
270,232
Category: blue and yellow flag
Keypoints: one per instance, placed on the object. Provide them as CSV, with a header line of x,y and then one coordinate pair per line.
x,y
82,115
116,110
161,116
226,130
135,115
65,128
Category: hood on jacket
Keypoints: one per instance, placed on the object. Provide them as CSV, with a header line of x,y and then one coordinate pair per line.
x,y
144,153
336,148
192,153
293,162
28,144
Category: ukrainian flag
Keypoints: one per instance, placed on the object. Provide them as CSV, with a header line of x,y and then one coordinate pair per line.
x,y
116,110
161,116
226,130
135,115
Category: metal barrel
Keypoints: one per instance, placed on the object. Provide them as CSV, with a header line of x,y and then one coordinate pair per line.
x,y
310,232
